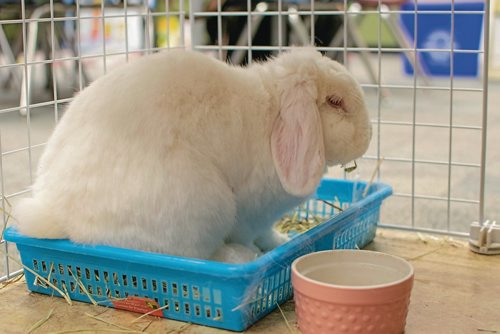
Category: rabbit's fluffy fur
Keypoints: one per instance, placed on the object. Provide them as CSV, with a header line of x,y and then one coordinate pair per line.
x,y
178,152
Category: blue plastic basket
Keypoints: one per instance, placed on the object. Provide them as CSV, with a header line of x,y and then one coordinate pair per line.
x,y
229,296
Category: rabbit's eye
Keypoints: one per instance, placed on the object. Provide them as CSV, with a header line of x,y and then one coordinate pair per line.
x,y
335,102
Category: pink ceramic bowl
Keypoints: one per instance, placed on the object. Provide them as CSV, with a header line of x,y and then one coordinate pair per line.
x,y
351,291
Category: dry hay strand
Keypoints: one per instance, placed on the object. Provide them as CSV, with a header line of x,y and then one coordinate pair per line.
x,y
11,281
372,178
446,240
40,322
350,169
112,324
148,313
332,205
294,224
96,330
50,270
180,329
290,328
247,302
43,279
422,238
80,284
146,326
7,214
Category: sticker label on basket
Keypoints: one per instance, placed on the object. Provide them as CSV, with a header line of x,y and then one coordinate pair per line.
x,y
139,305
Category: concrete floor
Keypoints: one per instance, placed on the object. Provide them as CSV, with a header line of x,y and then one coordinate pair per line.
x,y
391,141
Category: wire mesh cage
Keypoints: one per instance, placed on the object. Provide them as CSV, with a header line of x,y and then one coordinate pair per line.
x,y
425,82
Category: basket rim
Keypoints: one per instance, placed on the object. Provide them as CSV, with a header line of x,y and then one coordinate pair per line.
x,y
226,270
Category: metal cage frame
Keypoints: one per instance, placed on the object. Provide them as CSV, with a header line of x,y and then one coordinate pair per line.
x,y
293,25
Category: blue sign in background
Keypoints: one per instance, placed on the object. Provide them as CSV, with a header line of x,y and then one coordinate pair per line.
x,y
434,31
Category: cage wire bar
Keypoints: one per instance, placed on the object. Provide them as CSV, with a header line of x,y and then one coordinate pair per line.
x,y
484,120
292,21
451,126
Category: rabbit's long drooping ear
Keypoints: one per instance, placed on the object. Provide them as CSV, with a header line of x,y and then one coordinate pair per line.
x,y
297,139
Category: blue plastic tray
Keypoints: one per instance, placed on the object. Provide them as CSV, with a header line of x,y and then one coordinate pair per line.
x,y
229,296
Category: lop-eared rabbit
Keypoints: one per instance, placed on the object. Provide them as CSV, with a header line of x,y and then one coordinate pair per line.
x,y
182,154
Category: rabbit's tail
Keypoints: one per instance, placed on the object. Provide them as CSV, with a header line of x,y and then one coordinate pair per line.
x,y
34,219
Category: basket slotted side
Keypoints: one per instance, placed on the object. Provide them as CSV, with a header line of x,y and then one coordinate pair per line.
x,y
199,291
353,228
229,296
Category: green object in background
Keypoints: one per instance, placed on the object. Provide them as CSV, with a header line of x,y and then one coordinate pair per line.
x,y
369,29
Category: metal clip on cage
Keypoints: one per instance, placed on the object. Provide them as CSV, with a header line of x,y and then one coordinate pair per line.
x,y
485,238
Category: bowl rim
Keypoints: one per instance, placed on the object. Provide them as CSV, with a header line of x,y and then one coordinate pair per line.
x,y
301,276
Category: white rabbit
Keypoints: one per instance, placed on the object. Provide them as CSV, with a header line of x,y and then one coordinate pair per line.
x,y
178,152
